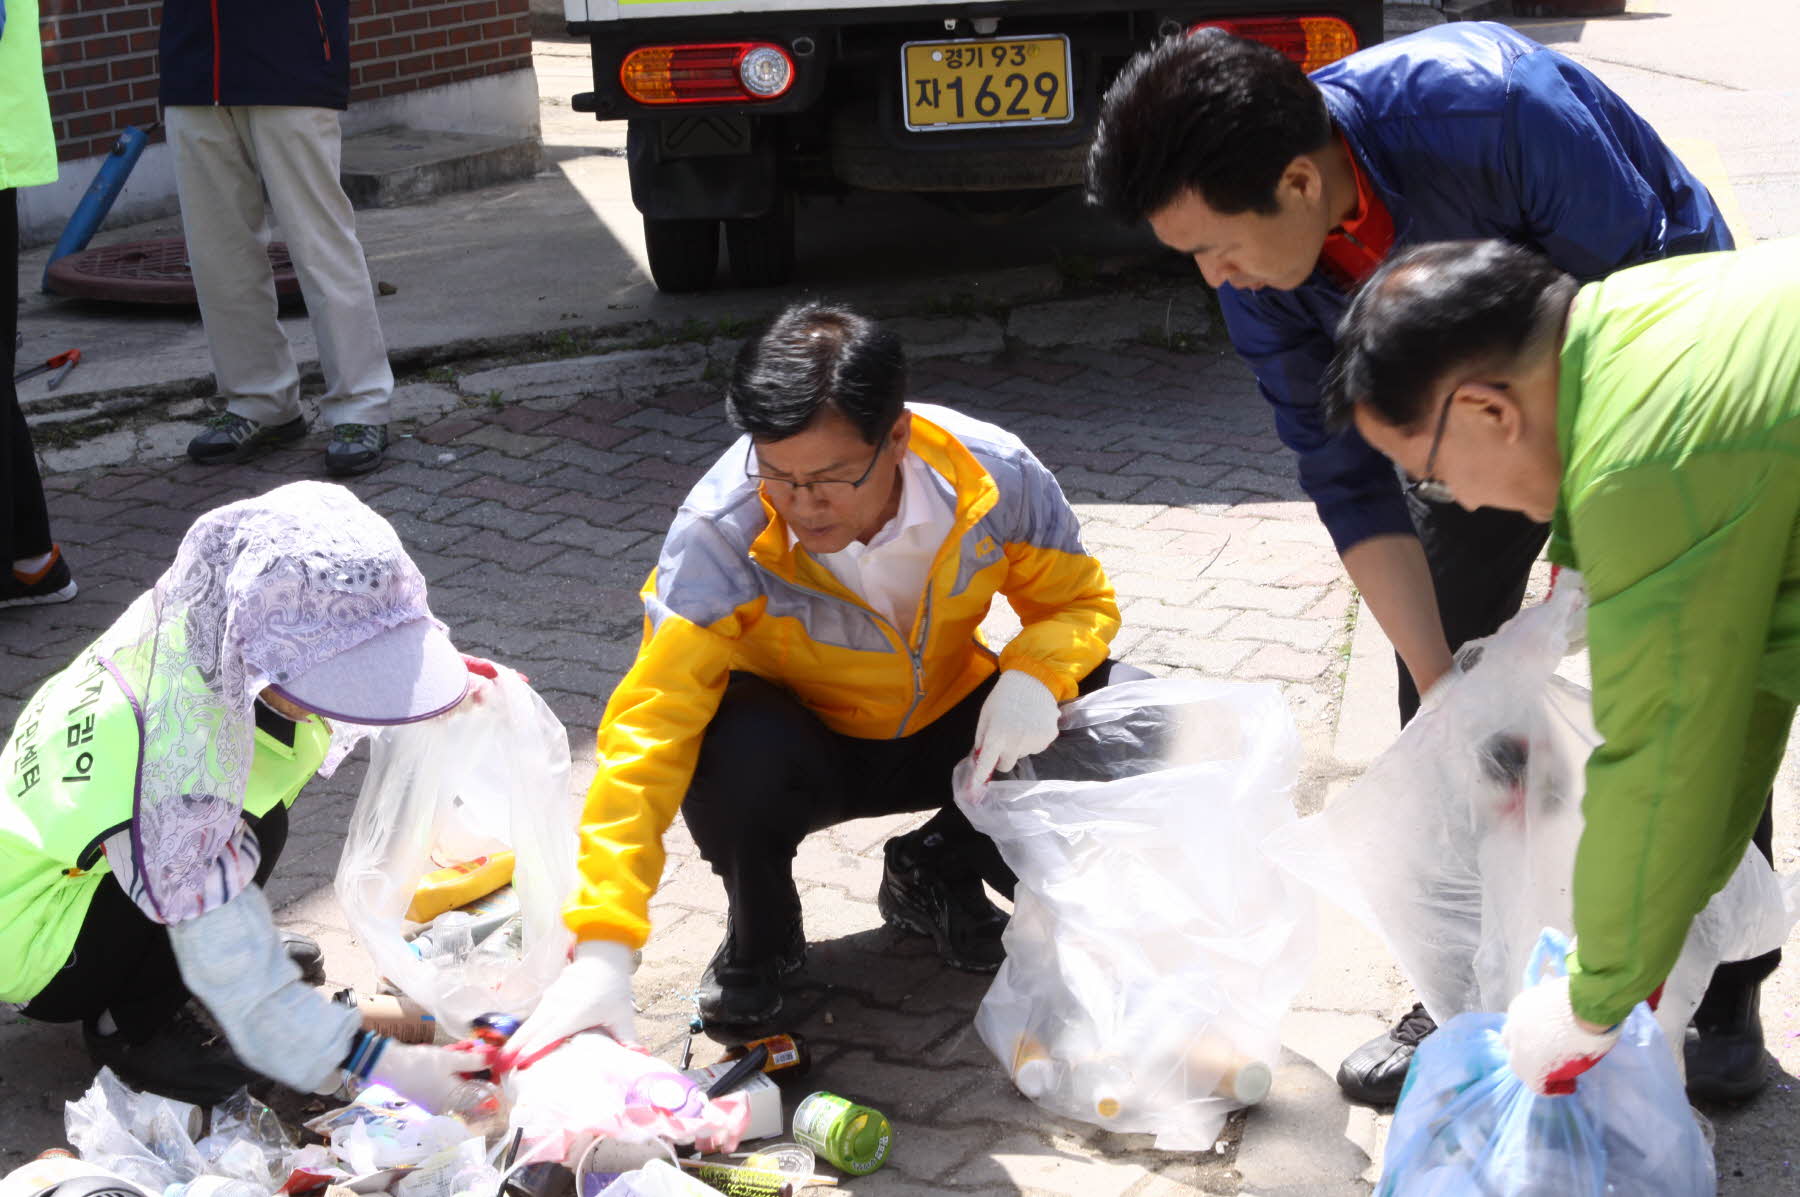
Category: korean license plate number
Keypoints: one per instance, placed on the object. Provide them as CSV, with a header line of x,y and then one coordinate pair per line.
x,y
980,84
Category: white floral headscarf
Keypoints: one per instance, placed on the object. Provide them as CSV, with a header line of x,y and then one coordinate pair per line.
x,y
260,592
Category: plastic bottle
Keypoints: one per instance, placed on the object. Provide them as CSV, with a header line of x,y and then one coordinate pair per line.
x,y
481,1107
1033,1070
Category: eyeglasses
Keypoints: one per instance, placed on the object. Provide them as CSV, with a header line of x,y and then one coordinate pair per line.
x,y
823,488
1431,488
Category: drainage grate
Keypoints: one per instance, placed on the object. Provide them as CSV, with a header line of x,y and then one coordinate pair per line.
x,y
147,272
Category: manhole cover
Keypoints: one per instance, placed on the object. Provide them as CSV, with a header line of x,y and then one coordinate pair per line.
x,y
147,272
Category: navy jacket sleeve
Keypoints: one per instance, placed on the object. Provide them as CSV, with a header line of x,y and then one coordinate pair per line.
x,y
1288,341
1598,190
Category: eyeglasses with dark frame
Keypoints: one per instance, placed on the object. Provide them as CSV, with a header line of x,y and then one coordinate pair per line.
x,y
1431,488
821,487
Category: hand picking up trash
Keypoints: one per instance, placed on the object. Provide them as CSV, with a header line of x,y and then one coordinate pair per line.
x,y
147,794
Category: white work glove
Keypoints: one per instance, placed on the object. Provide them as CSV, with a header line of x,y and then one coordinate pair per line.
x,y
593,990
1545,1046
1017,720
423,1074
232,959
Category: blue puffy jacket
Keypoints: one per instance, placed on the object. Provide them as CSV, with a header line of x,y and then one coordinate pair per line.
x,y
1464,130
238,52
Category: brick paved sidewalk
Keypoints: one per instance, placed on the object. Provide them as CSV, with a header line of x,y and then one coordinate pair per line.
x,y
535,517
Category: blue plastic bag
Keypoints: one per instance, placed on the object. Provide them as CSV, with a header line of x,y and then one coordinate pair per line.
x,y
1467,1127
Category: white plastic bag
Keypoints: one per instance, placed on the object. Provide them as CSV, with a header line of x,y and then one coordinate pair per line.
x,y
1458,849
1152,950
490,774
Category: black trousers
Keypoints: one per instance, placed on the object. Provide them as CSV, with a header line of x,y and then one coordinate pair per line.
x,y
770,773
24,519
123,962
1480,562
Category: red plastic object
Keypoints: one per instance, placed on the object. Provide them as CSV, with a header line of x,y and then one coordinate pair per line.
x,y
152,272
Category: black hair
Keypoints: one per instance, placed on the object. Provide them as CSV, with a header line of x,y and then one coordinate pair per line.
x,y
812,356
1436,308
1210,112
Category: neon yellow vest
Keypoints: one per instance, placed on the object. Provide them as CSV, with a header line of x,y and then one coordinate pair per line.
x,y
67,778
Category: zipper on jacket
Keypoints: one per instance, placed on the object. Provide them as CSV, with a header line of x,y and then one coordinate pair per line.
x,y
914,655
917,655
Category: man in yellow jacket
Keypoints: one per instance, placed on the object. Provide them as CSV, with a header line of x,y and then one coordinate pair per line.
x,y
811,655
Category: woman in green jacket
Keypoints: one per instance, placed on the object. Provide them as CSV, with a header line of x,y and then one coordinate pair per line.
x,y
144,794
1653,420
27,158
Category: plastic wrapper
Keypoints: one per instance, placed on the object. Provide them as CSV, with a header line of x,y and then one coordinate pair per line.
x,y
489,776
149,1140
146,1139
1152,950
593,1086
1466,1125
1457,846
657,1179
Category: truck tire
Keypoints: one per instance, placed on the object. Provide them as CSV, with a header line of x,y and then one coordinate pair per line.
x,y
684,254
761,248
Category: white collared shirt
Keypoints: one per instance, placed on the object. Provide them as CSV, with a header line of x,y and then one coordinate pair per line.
x,y
889,573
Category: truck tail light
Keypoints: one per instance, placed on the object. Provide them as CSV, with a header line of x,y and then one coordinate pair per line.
x,y
1312,42
721,72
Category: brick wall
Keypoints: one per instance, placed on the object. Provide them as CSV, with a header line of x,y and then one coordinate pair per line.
x,y
100,56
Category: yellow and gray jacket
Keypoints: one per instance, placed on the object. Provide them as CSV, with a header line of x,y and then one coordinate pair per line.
x,y
729,593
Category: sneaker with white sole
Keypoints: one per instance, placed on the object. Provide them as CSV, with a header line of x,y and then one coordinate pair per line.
x,y
52,584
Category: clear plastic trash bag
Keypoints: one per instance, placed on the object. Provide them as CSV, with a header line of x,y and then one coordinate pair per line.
x,y
490,774
1457,846
1467,1127
1152,950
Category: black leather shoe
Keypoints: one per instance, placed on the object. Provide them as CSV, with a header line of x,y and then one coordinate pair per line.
x,y
1376,1072
304,951
231,438
186,1059
1724,1050
926,888
739,992
355,449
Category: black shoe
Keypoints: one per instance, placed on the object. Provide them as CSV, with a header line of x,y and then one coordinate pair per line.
x,y
1376,1072
54,585
1724,1051
185,1059
232,438
928,890
304,951
735,992
355,449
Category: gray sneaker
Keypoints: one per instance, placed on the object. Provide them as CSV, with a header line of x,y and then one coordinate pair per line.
x,y
232,438
355,448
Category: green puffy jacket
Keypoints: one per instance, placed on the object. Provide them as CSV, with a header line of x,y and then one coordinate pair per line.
x,y
27,146
1679,425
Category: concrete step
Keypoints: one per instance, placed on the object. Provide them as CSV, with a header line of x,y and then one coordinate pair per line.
x,y
389,168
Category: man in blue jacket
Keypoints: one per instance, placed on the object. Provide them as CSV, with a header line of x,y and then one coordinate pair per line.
x,y
1288,191
251,94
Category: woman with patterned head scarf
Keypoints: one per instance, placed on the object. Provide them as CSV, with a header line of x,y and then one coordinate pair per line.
x,y
144,795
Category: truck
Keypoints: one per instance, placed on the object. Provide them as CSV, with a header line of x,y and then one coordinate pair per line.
x,y
738,108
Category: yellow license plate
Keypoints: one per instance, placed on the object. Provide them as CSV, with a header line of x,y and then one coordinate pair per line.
x,y
979,84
